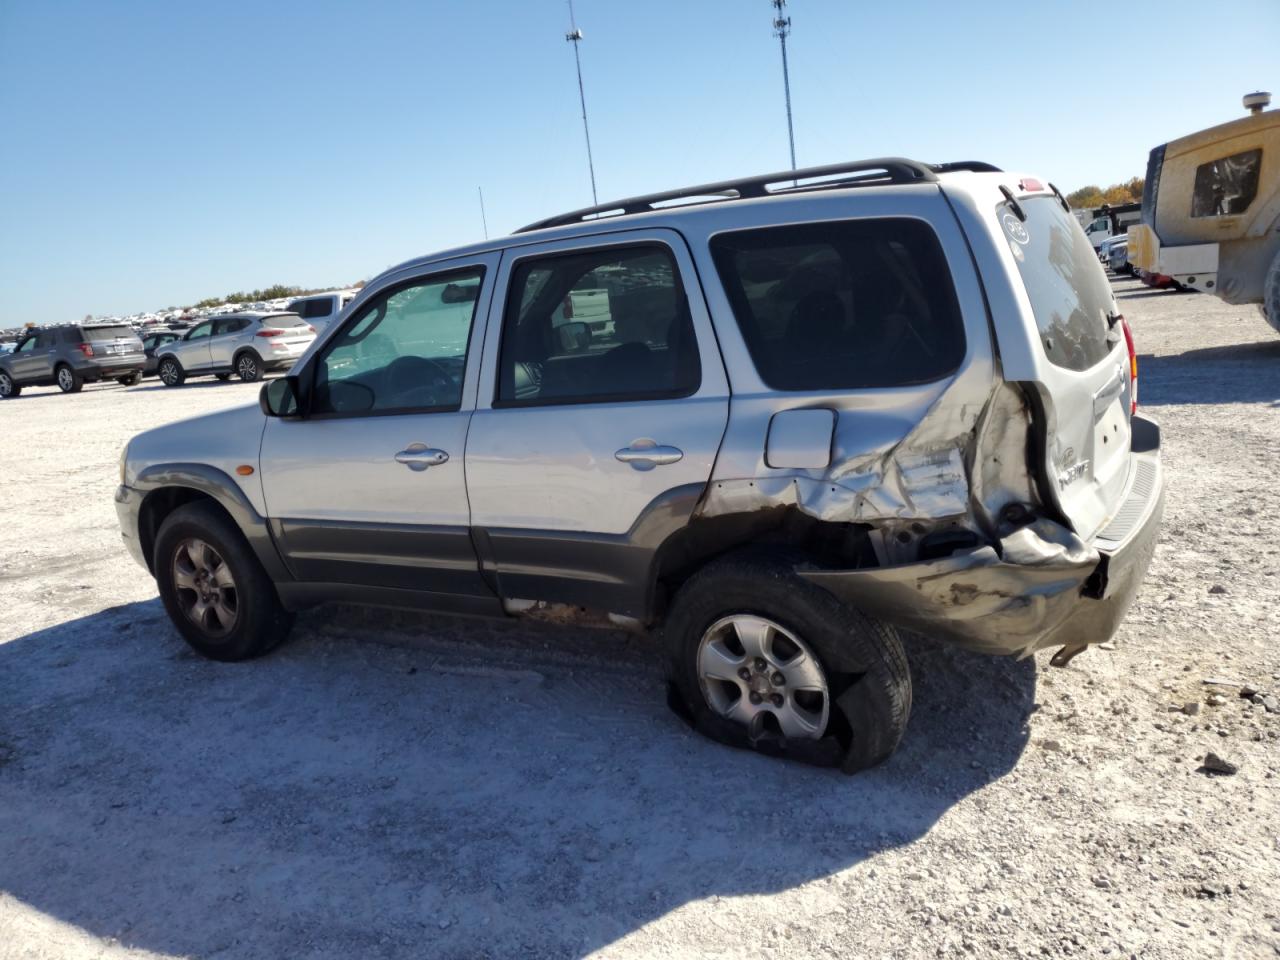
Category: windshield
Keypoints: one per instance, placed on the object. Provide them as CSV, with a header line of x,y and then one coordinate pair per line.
x,y
93,334
1068,289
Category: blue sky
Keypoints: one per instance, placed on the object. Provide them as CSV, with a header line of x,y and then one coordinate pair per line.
x,y
159,153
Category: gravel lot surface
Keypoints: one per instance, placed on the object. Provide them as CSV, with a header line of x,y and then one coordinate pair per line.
x,y
396,786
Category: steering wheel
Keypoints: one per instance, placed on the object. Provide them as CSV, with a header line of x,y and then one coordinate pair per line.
x,y
413,376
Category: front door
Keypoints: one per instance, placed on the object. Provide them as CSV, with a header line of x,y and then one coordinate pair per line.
x,y
32,360
369,488
601,409
192,350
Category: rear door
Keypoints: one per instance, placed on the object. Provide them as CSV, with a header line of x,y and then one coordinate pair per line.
x,y
593,438
1060,334
227,335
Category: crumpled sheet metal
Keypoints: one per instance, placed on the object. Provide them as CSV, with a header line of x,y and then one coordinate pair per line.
x,y
919,474
978,599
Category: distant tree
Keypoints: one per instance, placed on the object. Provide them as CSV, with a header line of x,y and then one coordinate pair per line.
x,y
1087,198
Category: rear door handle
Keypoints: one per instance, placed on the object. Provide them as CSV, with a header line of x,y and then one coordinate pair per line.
x,y
418,456
646,454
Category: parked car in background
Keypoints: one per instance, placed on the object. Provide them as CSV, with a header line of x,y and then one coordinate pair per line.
x,y
6,346
1118,256
71,355
899,397
321,309
246,344
153,341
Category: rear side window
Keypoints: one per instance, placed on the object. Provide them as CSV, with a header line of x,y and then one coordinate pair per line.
x,y
1069,292
605,325
1226,186
845,305
95,334
312,309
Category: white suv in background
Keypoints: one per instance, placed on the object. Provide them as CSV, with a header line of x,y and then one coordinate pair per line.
x,y
246,344
319,309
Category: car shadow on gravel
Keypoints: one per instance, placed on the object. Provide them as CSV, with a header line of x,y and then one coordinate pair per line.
x,y
402,787
1238,373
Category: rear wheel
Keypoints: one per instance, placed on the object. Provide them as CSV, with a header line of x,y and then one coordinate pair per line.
x,y
171,372
213,587
7,387
67,379
248,367
752,643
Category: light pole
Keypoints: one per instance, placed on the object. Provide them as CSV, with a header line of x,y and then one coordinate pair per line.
x,y
781,29
574,36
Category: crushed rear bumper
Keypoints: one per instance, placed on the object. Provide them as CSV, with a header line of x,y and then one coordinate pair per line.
x,y
1045,587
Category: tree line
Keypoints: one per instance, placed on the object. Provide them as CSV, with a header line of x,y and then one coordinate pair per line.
x,y
1094,196
277,291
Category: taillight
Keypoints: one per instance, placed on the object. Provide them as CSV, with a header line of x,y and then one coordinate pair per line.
x,y
269,332
86,349
1133,366
310,328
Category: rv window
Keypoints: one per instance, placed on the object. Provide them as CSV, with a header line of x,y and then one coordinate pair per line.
x,y
1226,186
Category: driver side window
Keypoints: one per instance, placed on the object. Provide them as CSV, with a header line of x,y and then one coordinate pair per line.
x,y
405,351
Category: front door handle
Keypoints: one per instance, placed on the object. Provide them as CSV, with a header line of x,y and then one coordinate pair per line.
x,y
645,454
418,456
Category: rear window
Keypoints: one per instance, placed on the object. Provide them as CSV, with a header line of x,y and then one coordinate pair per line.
x,y
1069,292
1226,186
94,334
284,320
845,305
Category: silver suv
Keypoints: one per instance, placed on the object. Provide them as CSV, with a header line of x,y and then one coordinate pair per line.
x,y
246,344
795,421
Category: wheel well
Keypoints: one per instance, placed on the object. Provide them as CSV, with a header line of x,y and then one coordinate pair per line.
x,y
157,505
776,530
242,351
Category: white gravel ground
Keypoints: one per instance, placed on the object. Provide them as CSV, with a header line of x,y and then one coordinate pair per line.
x,y
391,786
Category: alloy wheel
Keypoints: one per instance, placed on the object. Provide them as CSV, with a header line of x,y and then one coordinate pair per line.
x,y
65,379
169,373
6,385
760,674
205,587
247,368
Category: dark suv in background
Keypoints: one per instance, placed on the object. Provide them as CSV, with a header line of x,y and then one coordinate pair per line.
x,y
72,355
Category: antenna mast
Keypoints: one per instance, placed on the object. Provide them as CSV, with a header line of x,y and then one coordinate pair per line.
x,y
483,219
781,30
574,36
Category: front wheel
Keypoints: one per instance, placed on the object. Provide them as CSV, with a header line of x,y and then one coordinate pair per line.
x,y
763,658
1270,306
249,368
7,387
213,587
68,380
171,373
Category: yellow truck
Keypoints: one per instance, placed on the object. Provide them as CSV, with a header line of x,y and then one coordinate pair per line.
x,y
1211,210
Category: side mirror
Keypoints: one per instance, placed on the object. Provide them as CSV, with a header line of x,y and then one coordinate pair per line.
x,y
281,398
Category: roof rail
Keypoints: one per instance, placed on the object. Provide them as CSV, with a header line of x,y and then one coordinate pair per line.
x,y
878,171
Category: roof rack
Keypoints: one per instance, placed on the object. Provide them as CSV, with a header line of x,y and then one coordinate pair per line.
x,y
855,173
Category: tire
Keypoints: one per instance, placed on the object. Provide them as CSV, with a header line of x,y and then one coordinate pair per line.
x,y
1271,295
171,372
868,696
67,379
8,388
246,620
248,367
131,380
224,377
